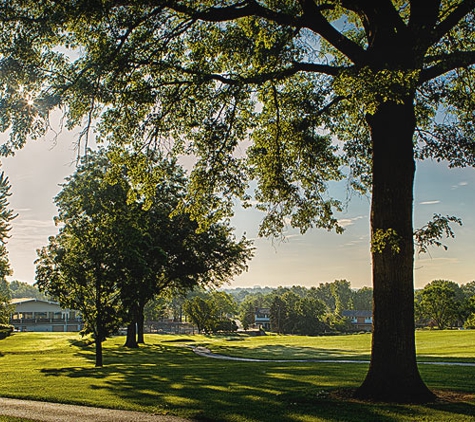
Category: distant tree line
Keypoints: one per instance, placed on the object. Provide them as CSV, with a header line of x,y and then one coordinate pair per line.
x,y
292,310
306,311
310,310
441,304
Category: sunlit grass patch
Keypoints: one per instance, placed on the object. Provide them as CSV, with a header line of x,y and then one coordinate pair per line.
x,y
166,376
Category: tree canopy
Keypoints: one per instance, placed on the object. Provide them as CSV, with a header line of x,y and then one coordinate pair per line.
x,y
290,94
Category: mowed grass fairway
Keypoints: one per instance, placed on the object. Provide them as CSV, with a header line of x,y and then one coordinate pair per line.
x,y
165,376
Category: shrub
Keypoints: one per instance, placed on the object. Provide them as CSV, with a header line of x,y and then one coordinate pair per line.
x,y
5,330
470,322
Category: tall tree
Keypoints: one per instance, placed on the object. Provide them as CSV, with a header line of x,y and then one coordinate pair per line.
x,y
341,292
80,266
135,244
282,75
278,314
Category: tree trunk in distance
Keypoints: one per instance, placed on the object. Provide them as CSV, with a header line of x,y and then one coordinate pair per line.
x,y
140,325
131,339
98,343
393,375
99,334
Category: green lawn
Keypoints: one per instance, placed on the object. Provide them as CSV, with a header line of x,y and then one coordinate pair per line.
x,y
165,376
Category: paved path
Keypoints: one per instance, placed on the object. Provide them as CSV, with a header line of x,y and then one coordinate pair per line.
x,y
55,412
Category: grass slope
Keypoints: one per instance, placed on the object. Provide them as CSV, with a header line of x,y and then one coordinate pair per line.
x,y
165,376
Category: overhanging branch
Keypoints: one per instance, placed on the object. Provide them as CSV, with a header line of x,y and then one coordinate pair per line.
x,y
446,63
452,20
311,18
265,77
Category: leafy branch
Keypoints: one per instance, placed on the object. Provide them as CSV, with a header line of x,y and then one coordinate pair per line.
x,y
432,233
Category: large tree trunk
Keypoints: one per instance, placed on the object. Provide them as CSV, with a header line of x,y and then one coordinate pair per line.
x,y
393,374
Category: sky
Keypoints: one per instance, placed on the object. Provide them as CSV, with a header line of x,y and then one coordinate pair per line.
x,y
37,171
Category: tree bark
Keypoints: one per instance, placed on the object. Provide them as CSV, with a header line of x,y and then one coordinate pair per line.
x,y
393,374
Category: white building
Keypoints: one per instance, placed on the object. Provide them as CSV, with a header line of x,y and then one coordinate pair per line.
x,y
42,315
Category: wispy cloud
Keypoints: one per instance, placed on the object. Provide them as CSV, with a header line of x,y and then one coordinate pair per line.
x,y
429,202
346,222
29,231
459,185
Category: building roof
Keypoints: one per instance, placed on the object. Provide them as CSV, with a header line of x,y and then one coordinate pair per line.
x,y
355,314
18,300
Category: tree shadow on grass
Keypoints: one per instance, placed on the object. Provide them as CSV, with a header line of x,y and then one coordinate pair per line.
x,y
163,378
280,352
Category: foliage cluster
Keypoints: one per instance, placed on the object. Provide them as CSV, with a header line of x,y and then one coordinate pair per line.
x,y
19,289
315,310
307,311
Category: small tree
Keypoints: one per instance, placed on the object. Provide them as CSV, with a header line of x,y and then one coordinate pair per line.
x,y
200,313
470,306
311,312
211,312
247,312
